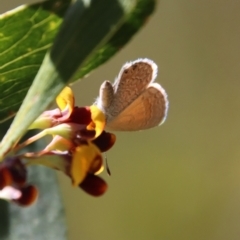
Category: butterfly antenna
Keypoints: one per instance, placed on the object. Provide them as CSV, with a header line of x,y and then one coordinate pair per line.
x,y
107,167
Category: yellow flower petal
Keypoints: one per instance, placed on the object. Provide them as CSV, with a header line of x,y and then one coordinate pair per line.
x,y
86,158
66,98
51,160
98,120
59,143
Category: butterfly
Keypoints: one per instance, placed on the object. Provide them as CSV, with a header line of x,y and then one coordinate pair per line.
x,y
134,101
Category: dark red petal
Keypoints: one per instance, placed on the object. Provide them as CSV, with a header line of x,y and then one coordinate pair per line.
x,y
18,172
94,185
5,178
87,134
105,141
29,196
80,115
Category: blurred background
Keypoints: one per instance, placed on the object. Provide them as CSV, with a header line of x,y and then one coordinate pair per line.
x,y
180,180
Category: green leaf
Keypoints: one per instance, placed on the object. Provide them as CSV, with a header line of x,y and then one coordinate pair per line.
x,y
13,218
133,22
26,34
86,33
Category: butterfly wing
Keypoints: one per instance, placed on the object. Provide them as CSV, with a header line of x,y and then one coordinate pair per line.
x,y
148,110
132,80
106,96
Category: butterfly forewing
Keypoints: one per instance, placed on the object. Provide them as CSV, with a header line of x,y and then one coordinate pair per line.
x,y
132,80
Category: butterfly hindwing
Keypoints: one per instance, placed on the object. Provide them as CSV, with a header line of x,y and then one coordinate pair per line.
x,y
147,111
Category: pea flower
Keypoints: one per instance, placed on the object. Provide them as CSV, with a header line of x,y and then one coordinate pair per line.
x,y
13,186
78,140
